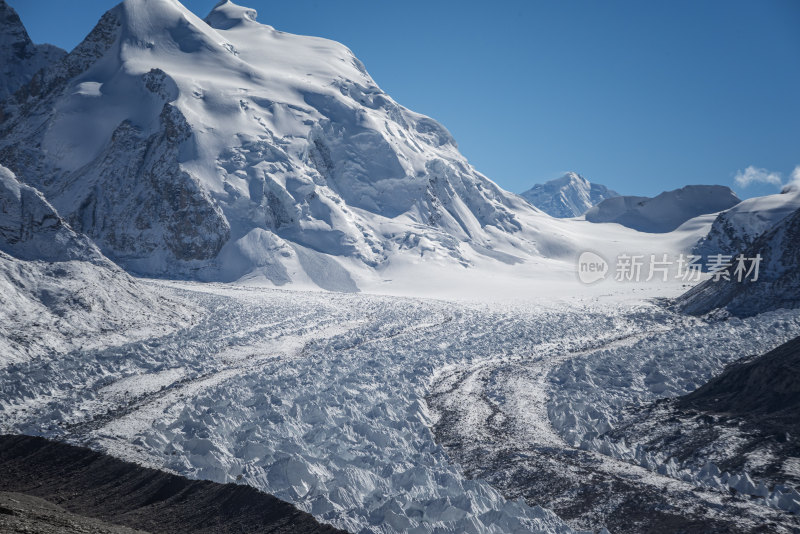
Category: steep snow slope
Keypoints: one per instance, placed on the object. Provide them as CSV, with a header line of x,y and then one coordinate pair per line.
x,y
568,196
57,291
215,149
735,229
778,284
665,212
20,59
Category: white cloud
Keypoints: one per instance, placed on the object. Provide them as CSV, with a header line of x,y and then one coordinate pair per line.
x,y
753,175
794,181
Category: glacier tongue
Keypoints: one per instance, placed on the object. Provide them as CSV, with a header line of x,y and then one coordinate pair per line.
x,y
317,398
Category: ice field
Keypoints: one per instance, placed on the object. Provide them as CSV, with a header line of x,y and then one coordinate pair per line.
x,y
324,399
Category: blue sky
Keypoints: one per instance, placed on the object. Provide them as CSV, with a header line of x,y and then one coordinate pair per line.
x,y
639,96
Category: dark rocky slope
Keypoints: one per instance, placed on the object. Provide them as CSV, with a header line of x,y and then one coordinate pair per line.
x,y
20,58
89,483
745,419
23,513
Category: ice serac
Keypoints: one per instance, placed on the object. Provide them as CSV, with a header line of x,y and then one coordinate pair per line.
x,y
665,212
20,58
777,286
568,196
224,148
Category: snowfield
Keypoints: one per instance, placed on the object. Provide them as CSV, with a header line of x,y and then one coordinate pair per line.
x,y
320,398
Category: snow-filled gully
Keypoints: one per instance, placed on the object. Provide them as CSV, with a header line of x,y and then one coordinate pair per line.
x,y
320,399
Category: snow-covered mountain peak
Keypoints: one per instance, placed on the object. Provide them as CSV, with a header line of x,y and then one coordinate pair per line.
x,y
164,31
297,60
666,211
567,196
571,178
14,32
186,149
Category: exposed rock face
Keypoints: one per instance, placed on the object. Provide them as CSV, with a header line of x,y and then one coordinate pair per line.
x,y
737,228
141,202
132,197
764,389
57,290
665,212
30,229
778,284
20,58
568,196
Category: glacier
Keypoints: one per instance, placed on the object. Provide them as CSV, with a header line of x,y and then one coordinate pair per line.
x,y
441,344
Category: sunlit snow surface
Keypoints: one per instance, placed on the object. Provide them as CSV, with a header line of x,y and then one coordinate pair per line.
x,y
319,398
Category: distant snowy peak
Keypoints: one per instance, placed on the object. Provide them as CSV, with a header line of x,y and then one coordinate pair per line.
x,y
20,58
223,147
665,212
568,196
737,228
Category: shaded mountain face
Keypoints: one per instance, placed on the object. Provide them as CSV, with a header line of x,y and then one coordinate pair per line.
x,y
20,58
218,148
30,229
764,389
737,228
778,284
665,212
568,196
